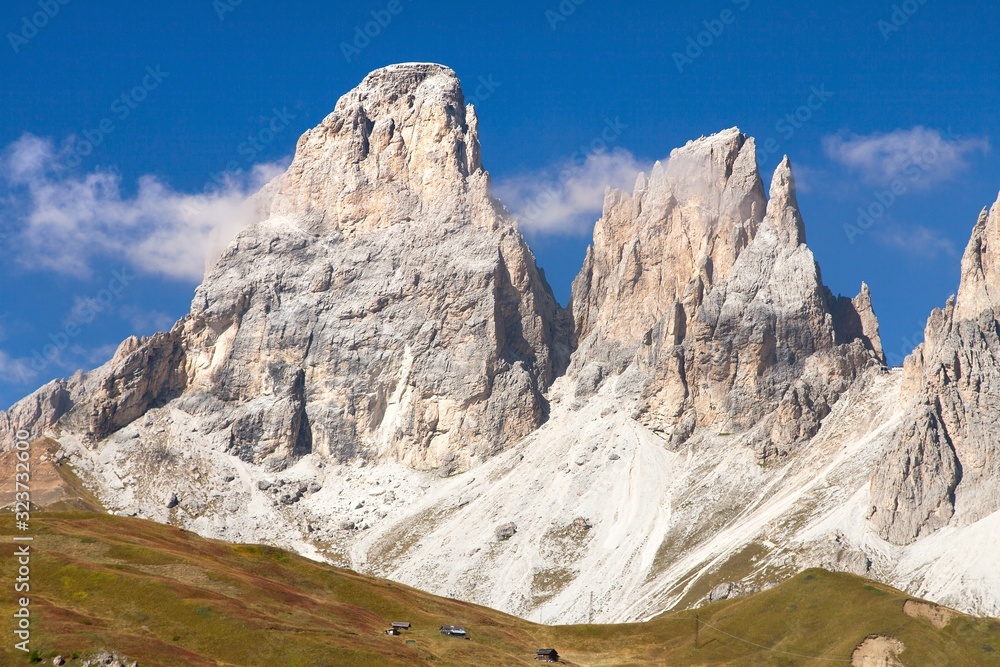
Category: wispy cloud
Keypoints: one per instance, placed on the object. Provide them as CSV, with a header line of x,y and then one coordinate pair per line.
x,y
917,241
567,198
64,222
919,155
16,371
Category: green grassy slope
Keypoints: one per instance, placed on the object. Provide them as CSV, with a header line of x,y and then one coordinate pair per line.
x,y
167,597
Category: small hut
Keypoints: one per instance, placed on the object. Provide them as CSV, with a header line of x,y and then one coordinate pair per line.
x,y
453,631
401,625
547,655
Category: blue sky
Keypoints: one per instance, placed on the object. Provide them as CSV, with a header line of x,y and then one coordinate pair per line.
x,y
130,131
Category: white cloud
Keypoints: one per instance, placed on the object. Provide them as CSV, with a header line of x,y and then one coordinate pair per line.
x,y
63,222
920,156
567,198
16,371
917,240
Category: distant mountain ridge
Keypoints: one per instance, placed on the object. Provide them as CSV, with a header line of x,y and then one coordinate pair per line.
x,y
376,373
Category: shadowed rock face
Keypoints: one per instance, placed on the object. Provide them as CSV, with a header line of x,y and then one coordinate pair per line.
x,y
39,411
708,290
941,466
385,305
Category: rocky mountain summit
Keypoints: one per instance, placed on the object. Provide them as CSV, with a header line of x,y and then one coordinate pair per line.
x,y
386,305
728,321
376,373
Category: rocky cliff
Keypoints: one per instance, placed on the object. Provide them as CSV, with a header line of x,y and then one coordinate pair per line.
x,y
942,465
707,290
385,306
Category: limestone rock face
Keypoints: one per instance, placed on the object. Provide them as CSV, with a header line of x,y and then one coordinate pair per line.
x,y
401,147
707,288
384,306
942,463
387,306
143,374
855,319
38,411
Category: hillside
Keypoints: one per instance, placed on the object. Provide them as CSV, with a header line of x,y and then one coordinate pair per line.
x,y
165,597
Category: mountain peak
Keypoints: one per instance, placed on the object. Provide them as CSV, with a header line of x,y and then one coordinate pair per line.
x,y
395,88
404,133
706,161
414,71
940,469
725,304
979,289
726,139
783,207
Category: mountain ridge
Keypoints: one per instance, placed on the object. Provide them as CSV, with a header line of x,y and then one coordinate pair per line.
x,y
377,374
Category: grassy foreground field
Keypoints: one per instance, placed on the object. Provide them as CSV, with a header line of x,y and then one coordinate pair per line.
x,y
167,597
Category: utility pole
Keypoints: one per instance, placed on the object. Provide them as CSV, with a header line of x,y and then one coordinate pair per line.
x,y
696,623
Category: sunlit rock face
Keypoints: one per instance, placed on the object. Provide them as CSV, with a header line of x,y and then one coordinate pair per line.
x,y
704,289
384,306
942,467
376,373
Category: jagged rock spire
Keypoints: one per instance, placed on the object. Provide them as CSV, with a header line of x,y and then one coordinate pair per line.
x,y
385,307
404,132
941,466
979,289
724,303
783,206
